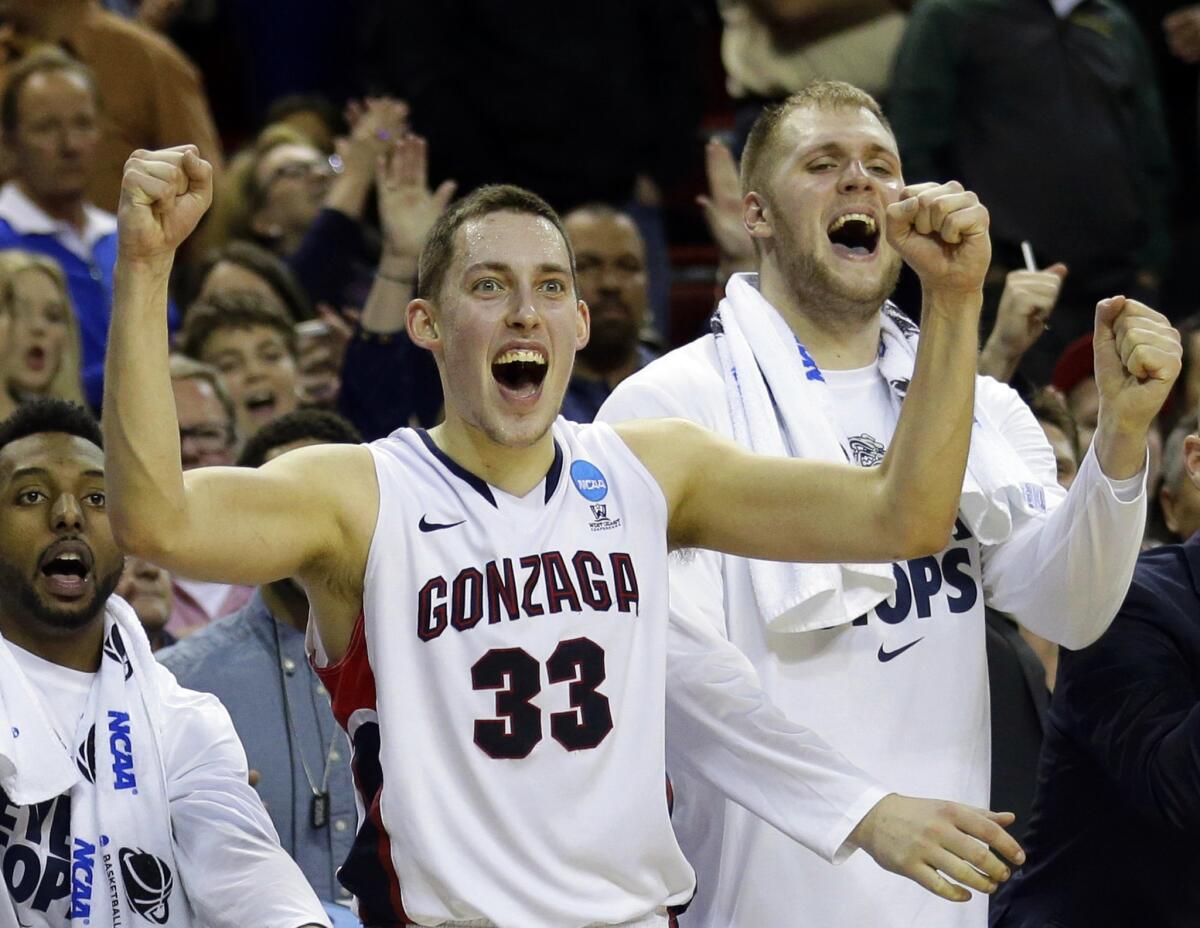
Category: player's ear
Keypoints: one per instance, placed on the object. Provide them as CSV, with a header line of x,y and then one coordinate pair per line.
x,y
422,324
583,325
756,215
1191,458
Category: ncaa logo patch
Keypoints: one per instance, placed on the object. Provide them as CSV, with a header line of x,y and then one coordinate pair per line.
x,y
589,481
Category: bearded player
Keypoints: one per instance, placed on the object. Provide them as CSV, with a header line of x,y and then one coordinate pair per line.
x,y
489,598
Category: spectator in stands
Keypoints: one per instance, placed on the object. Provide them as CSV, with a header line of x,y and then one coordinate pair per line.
x,y
1189,330
1051,411
1179,496
207,437
253,345
320,357
254,661
387,382
243,265
308,207
610,261
1037,106
147,588
40,356
195,846
49,119
1028,299
152,94
1113,841
312,115
1074,378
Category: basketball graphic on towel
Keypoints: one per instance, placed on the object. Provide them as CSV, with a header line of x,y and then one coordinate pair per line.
x,y
148,884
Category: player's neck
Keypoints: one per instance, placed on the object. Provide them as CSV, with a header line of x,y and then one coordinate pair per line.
x,y
77,649
515,470
839,334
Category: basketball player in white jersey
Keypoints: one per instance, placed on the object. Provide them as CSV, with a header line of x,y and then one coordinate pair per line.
x,y
488,598
901,685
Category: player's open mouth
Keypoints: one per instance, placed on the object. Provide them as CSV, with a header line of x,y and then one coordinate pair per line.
x,y
854,235
67,569
520,371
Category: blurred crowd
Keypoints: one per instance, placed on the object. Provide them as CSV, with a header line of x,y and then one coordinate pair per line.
x,y
341,131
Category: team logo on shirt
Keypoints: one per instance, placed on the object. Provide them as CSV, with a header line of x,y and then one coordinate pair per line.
x,y
866,451
148,884
114,647
589,481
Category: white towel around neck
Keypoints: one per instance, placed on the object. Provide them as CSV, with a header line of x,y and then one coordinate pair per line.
x,y
123,866
780,405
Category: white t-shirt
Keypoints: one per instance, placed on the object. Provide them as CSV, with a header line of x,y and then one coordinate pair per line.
x,y
902,691
226,849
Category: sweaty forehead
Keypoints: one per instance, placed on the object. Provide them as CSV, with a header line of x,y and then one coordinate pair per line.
x,y
67,456
519,240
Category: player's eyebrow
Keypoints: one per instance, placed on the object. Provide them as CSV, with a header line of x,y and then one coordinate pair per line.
x,y
552,268
498,266
837,148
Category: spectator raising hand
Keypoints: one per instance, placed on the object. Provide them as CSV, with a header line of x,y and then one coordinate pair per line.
x,y
1028,300
375,123
407,207
723,212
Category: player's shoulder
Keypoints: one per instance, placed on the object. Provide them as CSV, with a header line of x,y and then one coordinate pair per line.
x,y
686,383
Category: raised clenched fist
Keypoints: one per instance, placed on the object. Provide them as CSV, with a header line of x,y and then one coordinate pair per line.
x,y
941,232
1138,356
163,195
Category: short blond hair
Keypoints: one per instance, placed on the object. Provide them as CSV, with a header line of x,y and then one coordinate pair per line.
x,y
819,95
67,383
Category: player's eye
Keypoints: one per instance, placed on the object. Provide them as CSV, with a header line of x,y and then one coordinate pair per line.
x,y
882,170
824,164
31,497
96,499
487,285
555,286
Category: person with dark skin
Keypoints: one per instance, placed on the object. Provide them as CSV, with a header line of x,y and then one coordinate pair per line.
x,y
63,640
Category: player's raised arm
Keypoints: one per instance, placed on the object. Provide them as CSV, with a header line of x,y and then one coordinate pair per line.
x,y
236,525
723,497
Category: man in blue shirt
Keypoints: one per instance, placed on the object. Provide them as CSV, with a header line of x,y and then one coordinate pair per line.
x,y
254,661
49,116
1113,837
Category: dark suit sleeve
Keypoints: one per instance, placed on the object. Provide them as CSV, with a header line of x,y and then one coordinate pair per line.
x,y
1131,702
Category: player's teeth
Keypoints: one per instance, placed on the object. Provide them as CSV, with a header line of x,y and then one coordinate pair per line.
x,y
521,356
860,217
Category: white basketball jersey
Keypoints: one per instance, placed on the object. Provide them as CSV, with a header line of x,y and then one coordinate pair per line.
x,y
504,692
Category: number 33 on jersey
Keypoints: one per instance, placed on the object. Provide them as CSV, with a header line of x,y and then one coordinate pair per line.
x,y
523,642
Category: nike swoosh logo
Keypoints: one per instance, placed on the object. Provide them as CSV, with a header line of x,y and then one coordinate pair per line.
x,y
426,526
885,655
